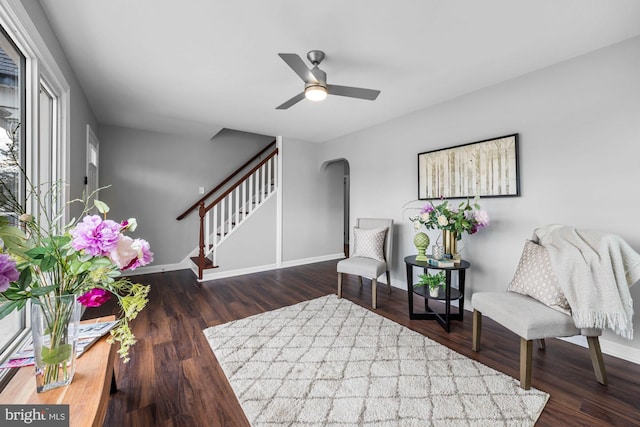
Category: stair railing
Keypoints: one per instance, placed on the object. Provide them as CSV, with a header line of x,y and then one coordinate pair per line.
x,y
204,198
222,216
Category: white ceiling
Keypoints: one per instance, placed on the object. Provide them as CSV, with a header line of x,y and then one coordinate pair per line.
x,y
195,66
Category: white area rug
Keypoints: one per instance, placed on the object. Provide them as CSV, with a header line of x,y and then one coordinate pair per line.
x,y
330,362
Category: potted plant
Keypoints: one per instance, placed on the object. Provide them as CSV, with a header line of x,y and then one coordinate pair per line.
x,y
433,281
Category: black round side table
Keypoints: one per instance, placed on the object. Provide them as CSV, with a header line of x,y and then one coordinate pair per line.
x,y
447,295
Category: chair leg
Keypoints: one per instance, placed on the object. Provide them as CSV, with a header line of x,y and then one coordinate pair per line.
x,y
597,360
389,280
526,355
339,285
477,326
541,344
374,293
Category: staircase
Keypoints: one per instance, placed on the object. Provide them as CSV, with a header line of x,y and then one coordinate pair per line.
x,y
234,201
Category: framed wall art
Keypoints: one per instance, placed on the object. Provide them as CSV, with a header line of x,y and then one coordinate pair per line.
x,y
486,168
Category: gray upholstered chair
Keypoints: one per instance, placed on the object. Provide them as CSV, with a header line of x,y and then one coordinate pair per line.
x,y
531,320
371,255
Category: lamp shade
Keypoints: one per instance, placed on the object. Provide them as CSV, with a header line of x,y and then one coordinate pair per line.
x,y
315,93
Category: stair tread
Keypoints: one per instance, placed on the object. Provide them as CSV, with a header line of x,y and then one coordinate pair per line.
x,y
207,262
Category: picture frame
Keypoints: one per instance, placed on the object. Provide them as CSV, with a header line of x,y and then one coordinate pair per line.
x,y
487,168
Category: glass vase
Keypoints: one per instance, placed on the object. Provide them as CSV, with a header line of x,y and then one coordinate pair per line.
x,y
54,327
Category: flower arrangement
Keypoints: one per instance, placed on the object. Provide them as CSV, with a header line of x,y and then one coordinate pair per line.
x,y
86,260
466,217
39,257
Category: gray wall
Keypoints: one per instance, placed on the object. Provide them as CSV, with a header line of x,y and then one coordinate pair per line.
x,y
579,125
154,177
80,110
253,245
312,206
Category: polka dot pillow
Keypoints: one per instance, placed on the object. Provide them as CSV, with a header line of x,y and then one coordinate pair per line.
x,y
535,277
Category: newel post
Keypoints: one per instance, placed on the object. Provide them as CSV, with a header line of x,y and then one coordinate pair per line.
x,y
202,212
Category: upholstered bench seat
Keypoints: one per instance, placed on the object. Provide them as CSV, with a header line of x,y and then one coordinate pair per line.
x,y
361,266
527,317
531,320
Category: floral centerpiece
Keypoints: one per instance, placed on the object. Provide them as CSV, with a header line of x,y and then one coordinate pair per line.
x,y
43,262
466,217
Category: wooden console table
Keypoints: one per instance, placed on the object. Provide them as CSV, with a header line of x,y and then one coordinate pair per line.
x,y
88,393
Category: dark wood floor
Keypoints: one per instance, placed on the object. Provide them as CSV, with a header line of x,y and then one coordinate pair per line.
x,y
173,378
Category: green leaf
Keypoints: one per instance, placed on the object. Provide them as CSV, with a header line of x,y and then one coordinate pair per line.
x,y
8,307
42,290
25,278
11,231
60,241
85,266
74,267
55,355
101,206
48,262
37,253
14,292
102,262
85,257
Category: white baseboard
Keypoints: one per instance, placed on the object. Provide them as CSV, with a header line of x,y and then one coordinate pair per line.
x,y
187,264
312,260
610,348
212,275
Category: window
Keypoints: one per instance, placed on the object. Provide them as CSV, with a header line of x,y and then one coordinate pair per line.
x,y
35,95
12,158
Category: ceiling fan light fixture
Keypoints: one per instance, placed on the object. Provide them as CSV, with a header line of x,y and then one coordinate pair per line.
x,y
315,92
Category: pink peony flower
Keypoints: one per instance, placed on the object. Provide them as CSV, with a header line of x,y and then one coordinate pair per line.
x,y
95,236
94,298
482,218
124,252
8,272
144,254
428,208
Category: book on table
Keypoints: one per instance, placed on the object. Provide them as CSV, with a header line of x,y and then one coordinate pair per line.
x,y
88,334
441,262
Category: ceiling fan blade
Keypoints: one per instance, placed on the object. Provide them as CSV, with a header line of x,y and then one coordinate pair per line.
x,y
353,92
320,75
299,97
297,64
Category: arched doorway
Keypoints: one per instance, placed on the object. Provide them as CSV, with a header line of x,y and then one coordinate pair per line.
x,y
340,172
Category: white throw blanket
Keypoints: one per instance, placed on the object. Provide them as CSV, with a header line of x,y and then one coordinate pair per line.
x,y
595,271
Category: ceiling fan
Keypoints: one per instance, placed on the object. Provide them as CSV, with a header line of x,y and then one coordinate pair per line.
x,y
315,81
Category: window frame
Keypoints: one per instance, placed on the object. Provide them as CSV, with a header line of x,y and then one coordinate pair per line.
x,y
52,163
